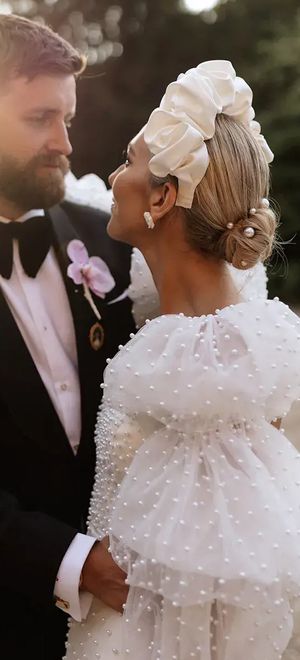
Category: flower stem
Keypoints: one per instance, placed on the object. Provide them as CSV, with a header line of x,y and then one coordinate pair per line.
x,y
87,295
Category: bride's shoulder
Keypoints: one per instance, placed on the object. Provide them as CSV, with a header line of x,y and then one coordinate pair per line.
x,y
254,325
249,352
254,322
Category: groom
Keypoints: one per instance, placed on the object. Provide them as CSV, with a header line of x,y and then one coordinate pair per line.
x,y
53,350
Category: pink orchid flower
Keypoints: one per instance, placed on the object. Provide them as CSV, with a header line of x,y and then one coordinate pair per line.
x,y
91,272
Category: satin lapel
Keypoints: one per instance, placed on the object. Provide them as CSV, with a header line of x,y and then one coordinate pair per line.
x,y
23,390
64,233
84,319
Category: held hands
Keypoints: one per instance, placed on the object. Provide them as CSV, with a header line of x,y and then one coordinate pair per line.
x,y
103,578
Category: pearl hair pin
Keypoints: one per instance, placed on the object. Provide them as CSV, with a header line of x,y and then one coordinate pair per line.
x,y
249,232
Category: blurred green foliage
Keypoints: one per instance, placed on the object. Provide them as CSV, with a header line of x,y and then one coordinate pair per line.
x,y
137,47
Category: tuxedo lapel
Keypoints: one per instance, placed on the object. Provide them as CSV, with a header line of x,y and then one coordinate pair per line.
x,y
23,389
84,319
116,319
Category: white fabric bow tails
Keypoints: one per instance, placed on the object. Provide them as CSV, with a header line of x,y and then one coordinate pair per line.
x,y
177,130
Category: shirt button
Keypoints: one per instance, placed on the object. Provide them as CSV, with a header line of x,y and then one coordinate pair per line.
x,y
64,387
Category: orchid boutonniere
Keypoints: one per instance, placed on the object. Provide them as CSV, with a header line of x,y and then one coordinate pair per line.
x,y
91,272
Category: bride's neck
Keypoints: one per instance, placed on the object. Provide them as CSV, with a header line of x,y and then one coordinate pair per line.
x,y
189,282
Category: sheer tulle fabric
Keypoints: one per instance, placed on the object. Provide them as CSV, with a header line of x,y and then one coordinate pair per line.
x,y
200,493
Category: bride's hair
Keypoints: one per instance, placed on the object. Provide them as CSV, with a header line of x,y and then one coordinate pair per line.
x,y
235,183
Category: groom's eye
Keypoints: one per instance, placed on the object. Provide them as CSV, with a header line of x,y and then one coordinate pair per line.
x,y
38,120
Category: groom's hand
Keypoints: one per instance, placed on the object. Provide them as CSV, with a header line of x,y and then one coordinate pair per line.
x,y
103,578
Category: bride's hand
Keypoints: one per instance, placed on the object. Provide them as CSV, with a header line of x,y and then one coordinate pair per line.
x,y
103,578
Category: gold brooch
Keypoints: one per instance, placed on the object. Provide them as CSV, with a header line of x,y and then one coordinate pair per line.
x,y
96,336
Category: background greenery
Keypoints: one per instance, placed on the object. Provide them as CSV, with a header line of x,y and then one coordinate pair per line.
x,y
136,47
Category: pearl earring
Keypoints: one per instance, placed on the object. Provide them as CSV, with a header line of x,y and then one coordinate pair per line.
x,y
149,220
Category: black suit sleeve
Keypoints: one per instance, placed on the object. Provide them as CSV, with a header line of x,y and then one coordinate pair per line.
x,y
32,546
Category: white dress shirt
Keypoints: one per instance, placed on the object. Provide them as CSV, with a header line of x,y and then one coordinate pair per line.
x,y
41,310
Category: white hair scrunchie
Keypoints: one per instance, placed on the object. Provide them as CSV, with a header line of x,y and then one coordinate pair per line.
x,y
176,131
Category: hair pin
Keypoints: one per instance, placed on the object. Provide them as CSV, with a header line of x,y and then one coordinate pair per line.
x,y
249,232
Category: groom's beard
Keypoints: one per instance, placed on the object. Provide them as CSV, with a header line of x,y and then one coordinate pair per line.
x,y
33,185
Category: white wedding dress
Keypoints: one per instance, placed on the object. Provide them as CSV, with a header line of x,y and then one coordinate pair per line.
x,y
199,492
206,520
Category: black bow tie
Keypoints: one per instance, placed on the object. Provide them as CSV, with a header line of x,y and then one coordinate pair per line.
x,y
35,237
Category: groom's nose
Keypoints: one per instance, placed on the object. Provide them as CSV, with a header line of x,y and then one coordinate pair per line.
x,y
59,140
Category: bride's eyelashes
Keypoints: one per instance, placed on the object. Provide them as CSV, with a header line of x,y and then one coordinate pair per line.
x,y
126,158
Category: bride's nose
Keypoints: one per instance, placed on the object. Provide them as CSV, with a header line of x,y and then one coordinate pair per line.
x,y
111,178
113,175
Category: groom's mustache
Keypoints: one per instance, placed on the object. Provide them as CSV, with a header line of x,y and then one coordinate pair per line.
x,y
52,160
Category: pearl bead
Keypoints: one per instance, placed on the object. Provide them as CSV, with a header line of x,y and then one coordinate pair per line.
x,y
249,232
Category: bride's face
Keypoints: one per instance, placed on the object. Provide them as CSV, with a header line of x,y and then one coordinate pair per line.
x,y
131,189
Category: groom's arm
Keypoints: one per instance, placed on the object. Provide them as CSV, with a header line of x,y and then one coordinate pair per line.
x,y
32,548
102,577
68,593
88,569
32,545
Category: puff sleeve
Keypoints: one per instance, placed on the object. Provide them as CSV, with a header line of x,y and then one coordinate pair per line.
x,y
205,513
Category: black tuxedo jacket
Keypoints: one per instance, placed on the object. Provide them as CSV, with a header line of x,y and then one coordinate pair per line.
x,y
45,489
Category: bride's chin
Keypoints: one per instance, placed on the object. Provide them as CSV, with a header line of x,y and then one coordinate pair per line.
x,y
111,227
114,230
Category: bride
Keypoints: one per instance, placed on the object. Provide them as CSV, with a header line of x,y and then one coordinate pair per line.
x,y
196,486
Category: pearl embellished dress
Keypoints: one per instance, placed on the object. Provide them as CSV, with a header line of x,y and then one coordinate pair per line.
x,y
199,492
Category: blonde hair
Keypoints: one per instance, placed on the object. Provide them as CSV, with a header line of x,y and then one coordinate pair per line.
x,y
30,49
236,181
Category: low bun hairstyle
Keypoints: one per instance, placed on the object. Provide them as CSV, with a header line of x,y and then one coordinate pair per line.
x,y
243,252
234,186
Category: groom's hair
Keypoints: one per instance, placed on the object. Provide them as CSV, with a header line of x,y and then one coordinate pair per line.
x,y
30,49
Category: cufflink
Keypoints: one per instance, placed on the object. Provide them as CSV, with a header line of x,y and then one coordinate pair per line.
x,y
64,604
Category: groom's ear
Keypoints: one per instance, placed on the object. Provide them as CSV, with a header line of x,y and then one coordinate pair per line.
x,y
162,200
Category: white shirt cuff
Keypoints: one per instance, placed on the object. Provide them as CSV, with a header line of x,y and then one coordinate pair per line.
x,y
66,592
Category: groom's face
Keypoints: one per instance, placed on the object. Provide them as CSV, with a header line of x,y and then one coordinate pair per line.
x,y
34,145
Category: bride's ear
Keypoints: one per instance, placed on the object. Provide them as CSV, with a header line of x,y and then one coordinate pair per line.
x,y
162,200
